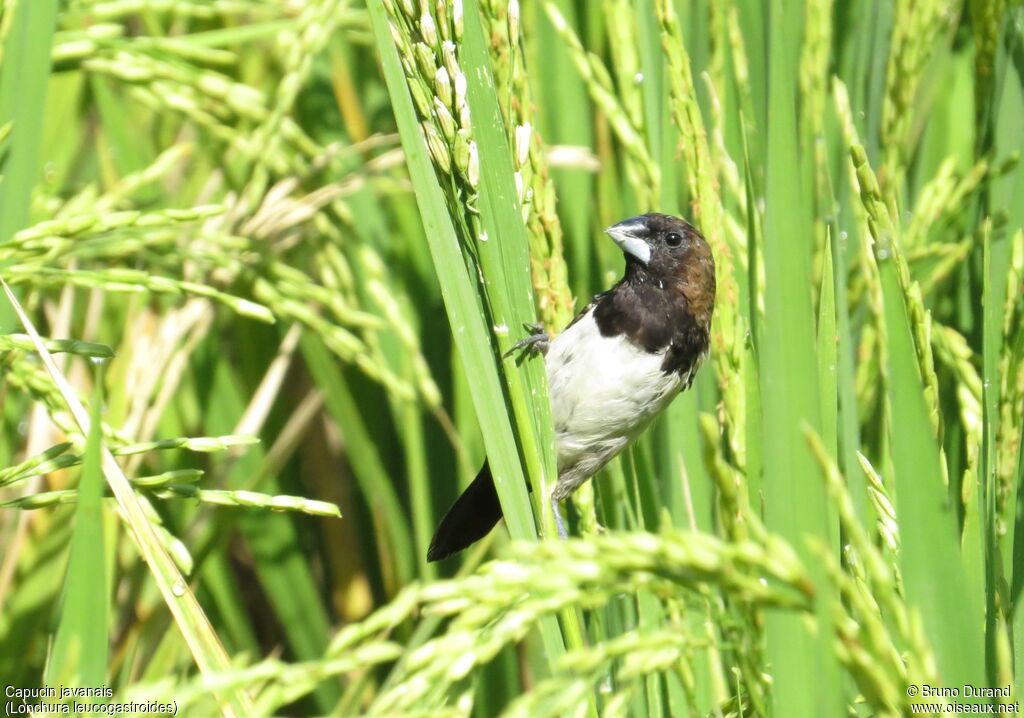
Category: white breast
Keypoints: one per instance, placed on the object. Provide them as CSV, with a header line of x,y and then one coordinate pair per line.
x,y
604,393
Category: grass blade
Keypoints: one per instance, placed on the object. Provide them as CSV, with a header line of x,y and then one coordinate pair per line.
x,y
195,627
79,653
795,500
23,82
504,259
951,614
828,355
465,311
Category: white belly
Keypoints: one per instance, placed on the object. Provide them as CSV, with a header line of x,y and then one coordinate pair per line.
x,y
604,392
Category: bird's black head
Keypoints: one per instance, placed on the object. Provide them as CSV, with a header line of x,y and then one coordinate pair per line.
x,y
670,252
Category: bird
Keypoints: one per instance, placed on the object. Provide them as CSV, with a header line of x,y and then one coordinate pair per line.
x,y
614,368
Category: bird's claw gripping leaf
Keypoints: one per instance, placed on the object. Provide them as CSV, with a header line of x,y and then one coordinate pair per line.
x,y
536,343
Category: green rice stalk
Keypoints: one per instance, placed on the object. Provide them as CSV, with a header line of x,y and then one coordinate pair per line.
x,y
312,31
931,538
633,656
23,342
534,185
195,628
886,523
79,653
1011,371
881,224
205,10
641,167
249,499
623,41
917,30
878,639
509,597
133,281
727,348
463,300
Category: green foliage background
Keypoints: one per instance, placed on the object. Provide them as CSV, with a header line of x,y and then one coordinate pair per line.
x,y
277,250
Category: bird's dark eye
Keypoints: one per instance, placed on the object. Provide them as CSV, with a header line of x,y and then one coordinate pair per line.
x,y
673,239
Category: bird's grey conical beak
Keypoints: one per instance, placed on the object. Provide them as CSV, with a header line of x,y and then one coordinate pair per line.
x,y
631,236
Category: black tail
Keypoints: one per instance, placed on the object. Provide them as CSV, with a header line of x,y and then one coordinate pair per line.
x,y
470,518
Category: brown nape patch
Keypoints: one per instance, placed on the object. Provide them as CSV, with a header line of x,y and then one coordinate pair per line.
x,y
665,305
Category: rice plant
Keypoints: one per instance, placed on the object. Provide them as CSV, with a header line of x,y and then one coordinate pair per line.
x,y
262,267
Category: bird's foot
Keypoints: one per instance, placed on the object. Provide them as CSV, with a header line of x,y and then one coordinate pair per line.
x,y
536,343
559,523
